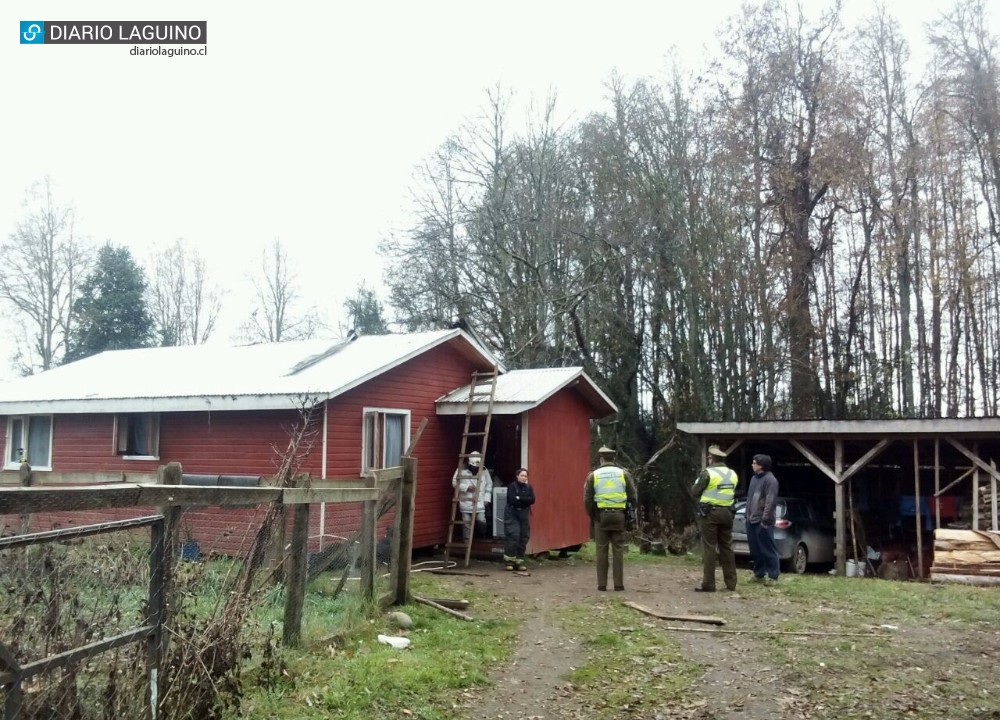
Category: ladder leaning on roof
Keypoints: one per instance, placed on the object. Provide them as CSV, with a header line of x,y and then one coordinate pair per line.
x,y
483,388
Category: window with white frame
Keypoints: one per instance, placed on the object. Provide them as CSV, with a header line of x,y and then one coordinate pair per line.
x,y
384,437
29,437
137,435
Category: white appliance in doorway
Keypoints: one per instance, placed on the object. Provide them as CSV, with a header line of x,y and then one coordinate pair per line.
x,y
499,504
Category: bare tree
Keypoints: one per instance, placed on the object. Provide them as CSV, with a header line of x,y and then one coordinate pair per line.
x,y
184,305
276,315
44,262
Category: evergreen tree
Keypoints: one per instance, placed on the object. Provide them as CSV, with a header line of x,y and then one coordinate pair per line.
x,y
111,312
364,312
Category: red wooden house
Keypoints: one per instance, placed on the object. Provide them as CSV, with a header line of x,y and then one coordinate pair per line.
x,y
226,410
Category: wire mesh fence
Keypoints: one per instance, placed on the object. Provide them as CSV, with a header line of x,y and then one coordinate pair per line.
x,y
158,600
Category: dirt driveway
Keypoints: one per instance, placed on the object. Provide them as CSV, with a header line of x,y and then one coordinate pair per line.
x,y
534,686
743,675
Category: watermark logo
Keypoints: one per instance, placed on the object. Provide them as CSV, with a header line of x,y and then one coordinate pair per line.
x,y
121,32
32,32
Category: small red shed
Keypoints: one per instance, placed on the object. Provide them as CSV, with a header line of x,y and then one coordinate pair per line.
x,y
541,421
224,411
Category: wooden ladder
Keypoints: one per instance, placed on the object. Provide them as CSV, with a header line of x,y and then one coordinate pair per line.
x,y
483,388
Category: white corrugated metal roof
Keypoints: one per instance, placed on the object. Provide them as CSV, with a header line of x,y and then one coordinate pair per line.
x,y
202,377
521,390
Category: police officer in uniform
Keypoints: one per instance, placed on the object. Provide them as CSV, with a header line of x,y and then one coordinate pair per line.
x,y
607,491
715,489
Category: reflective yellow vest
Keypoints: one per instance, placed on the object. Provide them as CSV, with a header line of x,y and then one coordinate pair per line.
x,y
609,487
721,488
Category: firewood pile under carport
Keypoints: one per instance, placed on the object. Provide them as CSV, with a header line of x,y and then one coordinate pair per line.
x,y
966,556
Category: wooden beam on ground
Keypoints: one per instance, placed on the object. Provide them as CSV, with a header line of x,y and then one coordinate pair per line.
x,y
449,603
442,608
805,633
442,571
707,619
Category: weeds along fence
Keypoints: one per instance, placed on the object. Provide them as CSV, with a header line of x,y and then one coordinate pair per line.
x,y
158,597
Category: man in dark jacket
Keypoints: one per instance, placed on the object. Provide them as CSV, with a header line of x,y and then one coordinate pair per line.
x,y
762,496
715,491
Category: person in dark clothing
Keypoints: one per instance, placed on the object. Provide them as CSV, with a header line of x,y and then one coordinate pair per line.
x,y
517,520
762,496
715,490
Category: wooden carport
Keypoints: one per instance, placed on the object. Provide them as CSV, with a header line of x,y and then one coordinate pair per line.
x,y
957,449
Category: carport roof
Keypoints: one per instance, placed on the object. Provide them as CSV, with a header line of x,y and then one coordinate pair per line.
x,y
945,442
983,427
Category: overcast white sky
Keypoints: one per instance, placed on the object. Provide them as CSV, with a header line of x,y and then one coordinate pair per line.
x,y
305,120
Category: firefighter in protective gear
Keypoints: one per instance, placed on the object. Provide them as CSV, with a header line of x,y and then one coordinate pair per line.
x,y
471,503
607,493
715,490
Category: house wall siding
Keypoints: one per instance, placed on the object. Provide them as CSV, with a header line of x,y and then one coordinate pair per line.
x,y
413,386
558,463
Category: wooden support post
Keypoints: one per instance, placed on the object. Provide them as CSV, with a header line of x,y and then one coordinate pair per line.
x,y
919,517
402,538
975,489
296,563
937,482
993,496
841,524
369,563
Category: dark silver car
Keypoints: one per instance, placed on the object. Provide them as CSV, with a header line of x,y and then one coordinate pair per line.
x,y
802,534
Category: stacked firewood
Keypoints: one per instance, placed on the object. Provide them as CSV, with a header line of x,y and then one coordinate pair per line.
x,y
966,556
985,507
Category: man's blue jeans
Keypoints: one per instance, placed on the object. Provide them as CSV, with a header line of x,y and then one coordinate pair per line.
x,y
760,538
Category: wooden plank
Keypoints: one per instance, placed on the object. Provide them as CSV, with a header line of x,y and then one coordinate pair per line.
x,y
195,495
960,557
26,500
968,568
965,579
961,535
42,478
442,608
296,496
449,603
707,619
946,545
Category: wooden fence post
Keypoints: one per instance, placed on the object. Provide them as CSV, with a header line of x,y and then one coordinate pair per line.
x,y
402,538
296,565
163,553
369,563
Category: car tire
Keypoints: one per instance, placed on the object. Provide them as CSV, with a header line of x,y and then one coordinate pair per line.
x,y
799,560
